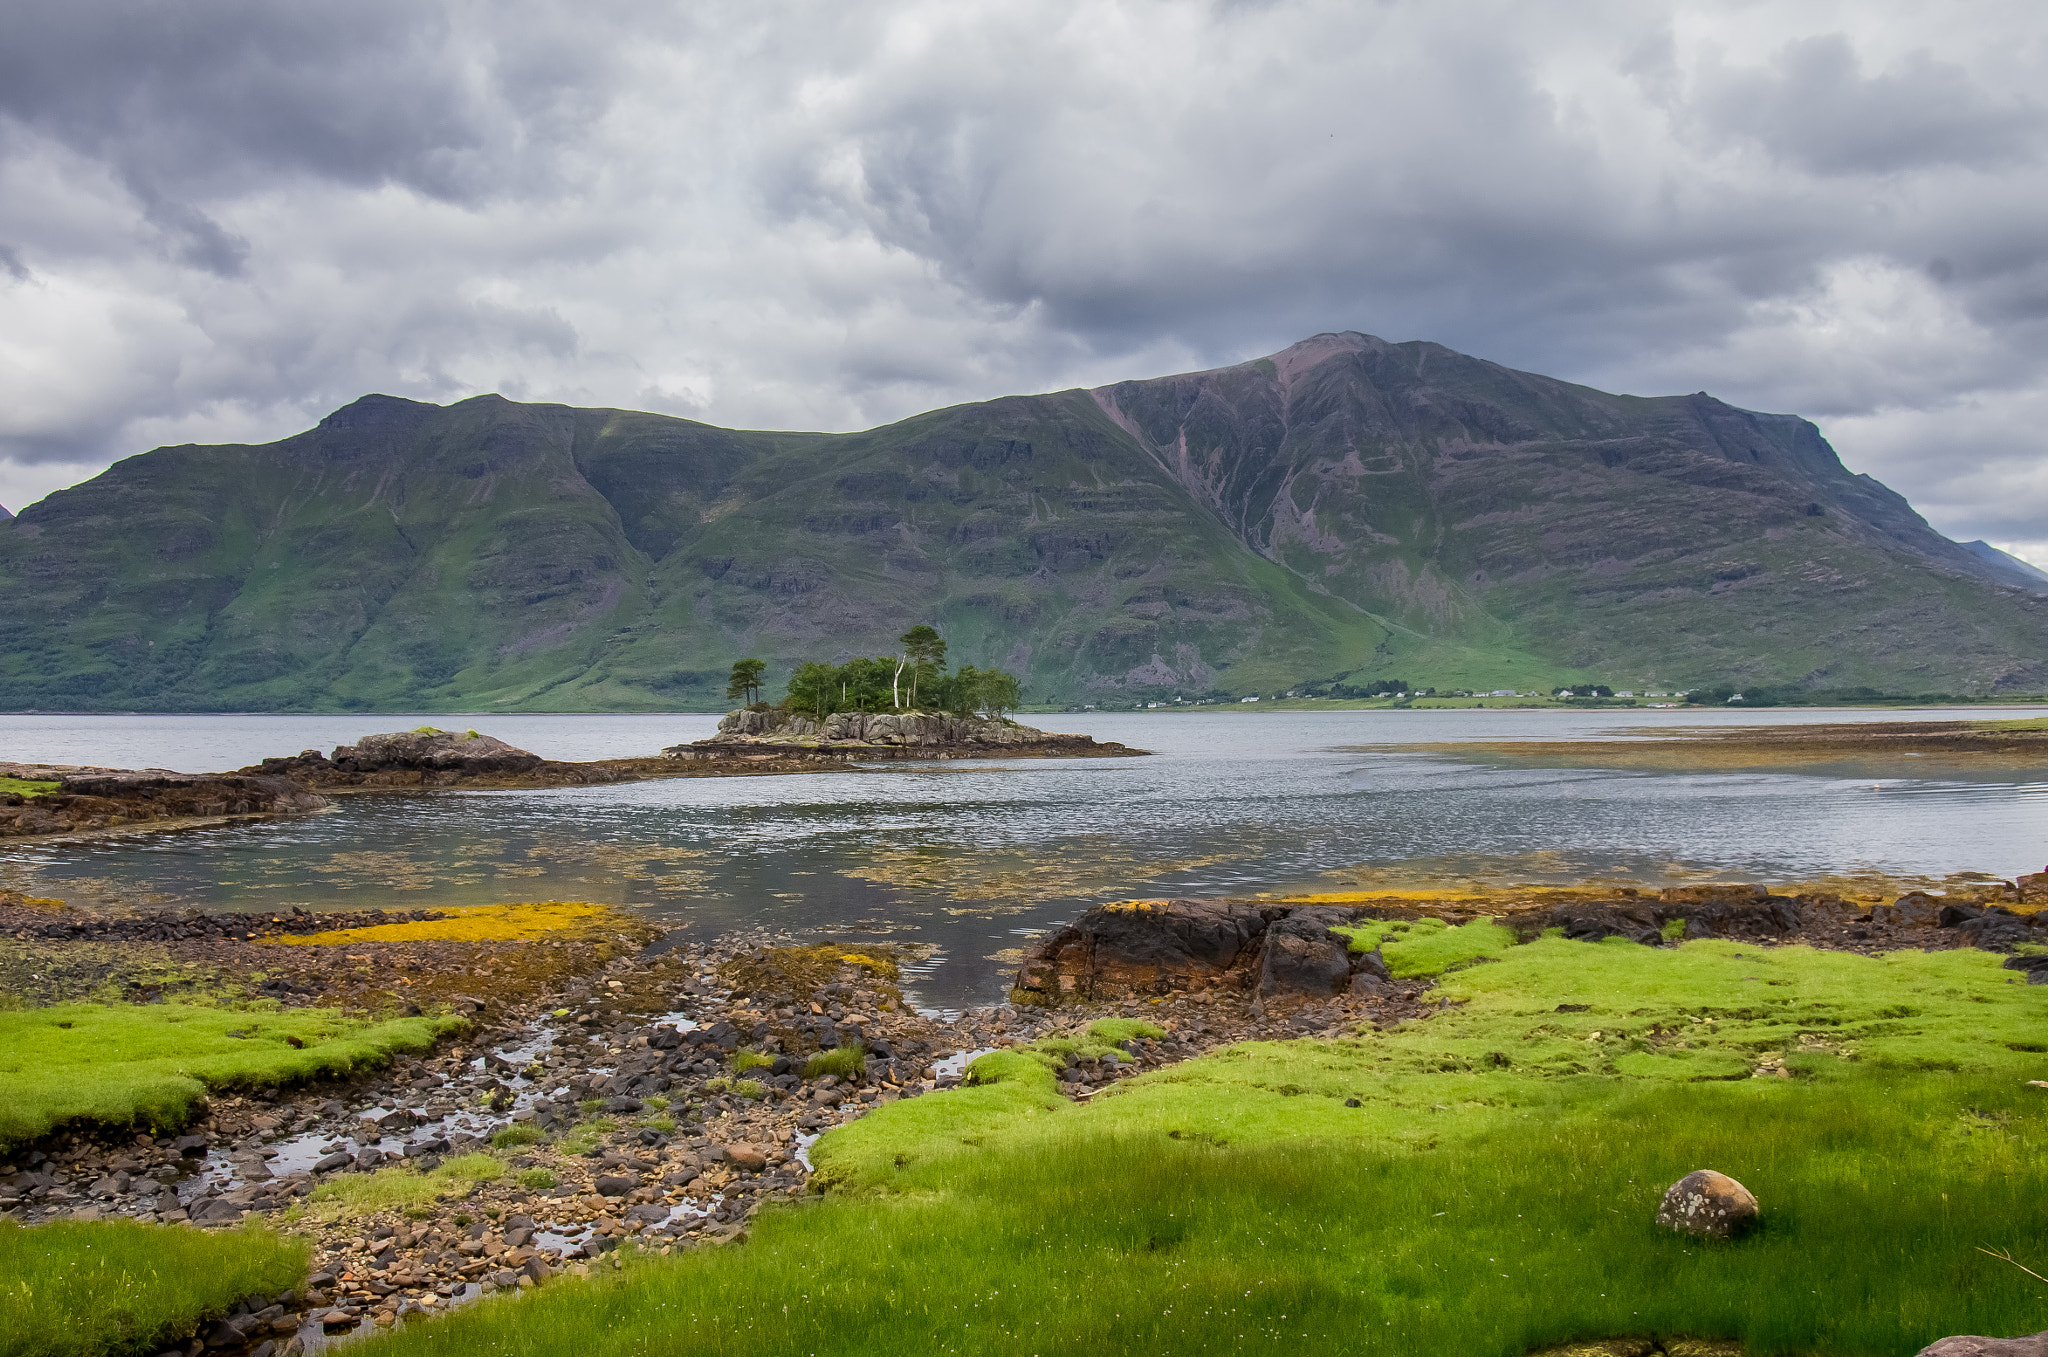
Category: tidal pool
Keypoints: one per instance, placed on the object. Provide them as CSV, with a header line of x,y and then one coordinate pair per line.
x,y
974,858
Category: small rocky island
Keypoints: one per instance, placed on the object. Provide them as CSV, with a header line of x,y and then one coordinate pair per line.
x,y
894,735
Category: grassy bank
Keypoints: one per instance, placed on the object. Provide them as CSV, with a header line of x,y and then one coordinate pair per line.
x,y
147,1065
75,1289
1479,1183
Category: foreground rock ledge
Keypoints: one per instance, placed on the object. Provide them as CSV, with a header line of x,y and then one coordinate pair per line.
x,y
866,735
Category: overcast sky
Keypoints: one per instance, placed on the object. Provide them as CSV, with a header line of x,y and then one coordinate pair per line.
x,y
219,219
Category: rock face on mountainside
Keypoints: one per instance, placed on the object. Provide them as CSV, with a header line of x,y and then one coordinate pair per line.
x,y
1348,506
1152,947
868,734
105,798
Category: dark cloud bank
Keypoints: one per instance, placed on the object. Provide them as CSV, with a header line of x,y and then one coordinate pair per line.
x,y
222,218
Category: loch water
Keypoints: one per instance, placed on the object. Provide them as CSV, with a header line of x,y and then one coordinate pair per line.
x,y
975,857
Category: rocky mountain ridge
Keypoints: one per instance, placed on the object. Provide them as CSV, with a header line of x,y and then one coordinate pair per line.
x,y
1348,506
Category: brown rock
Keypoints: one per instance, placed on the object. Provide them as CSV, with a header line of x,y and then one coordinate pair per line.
x,y
1146,947
746,1157
1969,1345
1708,1203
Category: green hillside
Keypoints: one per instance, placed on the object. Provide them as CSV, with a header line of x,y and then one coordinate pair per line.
x,y
1347,506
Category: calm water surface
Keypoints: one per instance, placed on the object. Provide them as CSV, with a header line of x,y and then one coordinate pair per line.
x,y
975,857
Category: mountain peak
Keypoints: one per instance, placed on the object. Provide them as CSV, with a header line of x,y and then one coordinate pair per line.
x,y
377,413
1350,506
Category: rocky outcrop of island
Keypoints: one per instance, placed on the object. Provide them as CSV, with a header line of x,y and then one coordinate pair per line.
x,y
884,735
429,758
93,798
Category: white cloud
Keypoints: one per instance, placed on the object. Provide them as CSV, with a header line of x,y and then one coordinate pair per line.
x,y
223,219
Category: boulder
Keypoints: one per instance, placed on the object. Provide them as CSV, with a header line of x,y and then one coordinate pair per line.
x,y
1969,1345
615,1184
1707,1203
1914,909
1146,947
2036,967
1301,956
1993,928
436,751
2033,887
747,1157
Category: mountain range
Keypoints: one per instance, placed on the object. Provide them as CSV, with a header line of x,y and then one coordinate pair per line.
x,y
1346,507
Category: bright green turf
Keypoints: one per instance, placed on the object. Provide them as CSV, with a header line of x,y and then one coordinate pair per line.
x,y
80,1289
22,788
1423,947
123,1065
1492,1193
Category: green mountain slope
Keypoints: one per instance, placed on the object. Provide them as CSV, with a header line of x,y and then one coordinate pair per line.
x,y
1347,505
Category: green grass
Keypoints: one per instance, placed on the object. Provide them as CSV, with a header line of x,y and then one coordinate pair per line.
x,y
584,1136
1426,947
146,1065
399,1186
844,1061
512,1136
25,788
81,1289
1492,1192
742,1061
537,1179
1876,1198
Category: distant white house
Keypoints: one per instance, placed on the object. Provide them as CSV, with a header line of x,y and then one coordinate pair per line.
x,y
1736,698
1624,693
1502,692
1247,699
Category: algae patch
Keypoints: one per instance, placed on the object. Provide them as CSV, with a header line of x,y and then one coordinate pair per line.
x,y
469,923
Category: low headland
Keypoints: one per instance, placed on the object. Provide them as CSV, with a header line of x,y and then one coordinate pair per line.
x,y
46,799
2020,743
1397,1125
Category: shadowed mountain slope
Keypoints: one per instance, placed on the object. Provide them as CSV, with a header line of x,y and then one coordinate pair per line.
x,y
1348,505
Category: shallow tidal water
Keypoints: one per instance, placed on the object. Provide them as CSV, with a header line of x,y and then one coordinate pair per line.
x,y
975,857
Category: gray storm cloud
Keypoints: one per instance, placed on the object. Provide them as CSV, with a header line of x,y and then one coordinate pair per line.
x,y
220,219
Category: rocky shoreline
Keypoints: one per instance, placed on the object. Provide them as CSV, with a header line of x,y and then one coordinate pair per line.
x,y
642,1086
614,1056
91,798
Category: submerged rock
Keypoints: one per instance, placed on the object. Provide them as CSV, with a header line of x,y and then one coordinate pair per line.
x,y
1707,1203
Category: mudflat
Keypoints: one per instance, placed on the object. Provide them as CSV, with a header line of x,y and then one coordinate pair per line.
x,y
2004,744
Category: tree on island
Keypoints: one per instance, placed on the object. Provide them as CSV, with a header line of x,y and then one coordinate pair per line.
x,y
745,683
878,684
925,651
